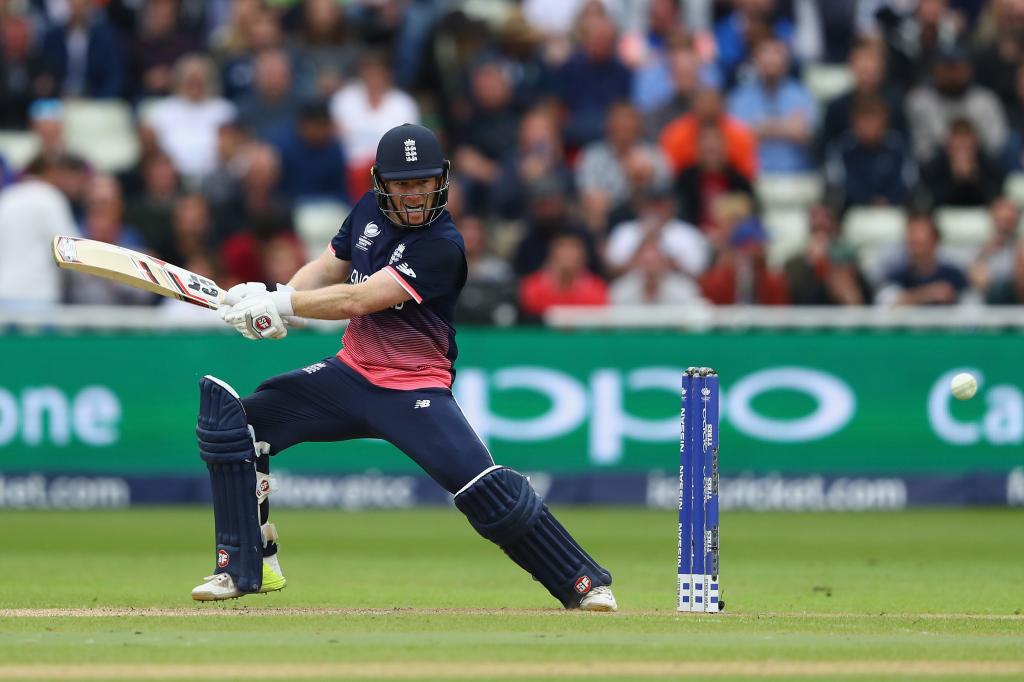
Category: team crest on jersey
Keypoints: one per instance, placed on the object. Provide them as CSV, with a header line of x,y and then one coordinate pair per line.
x,y
397,254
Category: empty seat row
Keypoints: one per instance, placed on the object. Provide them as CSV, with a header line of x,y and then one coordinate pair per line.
x,y
100,131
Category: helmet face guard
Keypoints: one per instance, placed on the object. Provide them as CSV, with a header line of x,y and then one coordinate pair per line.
x,y
392,204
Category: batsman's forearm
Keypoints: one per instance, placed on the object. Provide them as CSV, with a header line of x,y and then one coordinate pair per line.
x,y
321,272
336,302
310,276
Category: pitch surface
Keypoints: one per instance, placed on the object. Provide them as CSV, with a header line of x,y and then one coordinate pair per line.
x,y
417,595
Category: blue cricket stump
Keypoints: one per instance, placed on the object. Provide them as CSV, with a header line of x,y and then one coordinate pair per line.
x,y
698,589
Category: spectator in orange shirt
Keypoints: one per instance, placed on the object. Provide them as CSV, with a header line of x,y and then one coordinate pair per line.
x,y
679,138
564,279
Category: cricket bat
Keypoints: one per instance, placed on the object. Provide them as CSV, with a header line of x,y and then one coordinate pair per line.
x,y
136,270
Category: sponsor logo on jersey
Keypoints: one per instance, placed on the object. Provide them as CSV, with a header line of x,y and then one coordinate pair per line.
x,y
315,367
365,240
397,254
582,585
406,270
223,559
410,150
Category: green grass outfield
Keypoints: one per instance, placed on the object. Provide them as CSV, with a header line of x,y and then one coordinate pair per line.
x,y
417,595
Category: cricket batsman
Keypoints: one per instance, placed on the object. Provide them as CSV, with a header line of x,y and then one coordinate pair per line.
x,y
394,270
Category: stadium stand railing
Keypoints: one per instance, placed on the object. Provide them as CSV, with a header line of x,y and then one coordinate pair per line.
x,y
693,317
708,317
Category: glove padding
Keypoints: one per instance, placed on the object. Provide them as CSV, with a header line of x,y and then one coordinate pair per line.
x,y
259,315
244,290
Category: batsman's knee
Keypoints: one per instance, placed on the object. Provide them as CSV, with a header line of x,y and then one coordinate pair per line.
x,y
503,507
500,504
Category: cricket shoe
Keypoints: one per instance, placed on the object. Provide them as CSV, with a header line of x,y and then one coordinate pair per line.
x,y
599,599
222,586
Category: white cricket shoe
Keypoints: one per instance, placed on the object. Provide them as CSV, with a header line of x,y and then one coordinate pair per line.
x,y
216,587
599,599
222,586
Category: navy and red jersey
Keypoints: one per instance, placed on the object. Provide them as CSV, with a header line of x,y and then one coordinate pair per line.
x,y
412,345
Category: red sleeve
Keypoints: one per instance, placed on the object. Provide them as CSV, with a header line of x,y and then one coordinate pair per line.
x,y
744,148
531,294
773,289
672,141
596,292
717,285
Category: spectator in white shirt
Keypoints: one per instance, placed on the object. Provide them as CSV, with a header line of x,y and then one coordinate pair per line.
x,y
954,94
185,126
31,213
651,280
363,111
682,243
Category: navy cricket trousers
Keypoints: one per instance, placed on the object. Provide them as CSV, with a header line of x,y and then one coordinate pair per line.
x,y
328,401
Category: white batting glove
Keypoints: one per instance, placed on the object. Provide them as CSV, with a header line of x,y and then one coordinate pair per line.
x,y
260,316
242,291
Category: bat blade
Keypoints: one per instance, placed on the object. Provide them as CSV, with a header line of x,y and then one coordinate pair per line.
x,y
136,270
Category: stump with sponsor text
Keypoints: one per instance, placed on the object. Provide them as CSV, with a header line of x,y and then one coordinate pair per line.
x,y
698,585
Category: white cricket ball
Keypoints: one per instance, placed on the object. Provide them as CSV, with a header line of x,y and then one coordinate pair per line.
x,y
964,386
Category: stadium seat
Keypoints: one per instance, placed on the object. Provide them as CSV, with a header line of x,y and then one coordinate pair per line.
x,y
789,189
963,227
1014,188
787,229
827,81
102,132
18,147
317,222
875,232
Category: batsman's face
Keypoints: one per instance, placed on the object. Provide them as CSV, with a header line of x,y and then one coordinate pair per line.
x,y
412,199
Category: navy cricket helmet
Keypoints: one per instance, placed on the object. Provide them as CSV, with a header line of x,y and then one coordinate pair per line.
x,y
410,152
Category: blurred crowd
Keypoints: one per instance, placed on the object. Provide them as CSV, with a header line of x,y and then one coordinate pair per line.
x,y
603,151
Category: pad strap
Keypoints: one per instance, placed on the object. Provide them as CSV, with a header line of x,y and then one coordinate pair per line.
x,y
504,508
